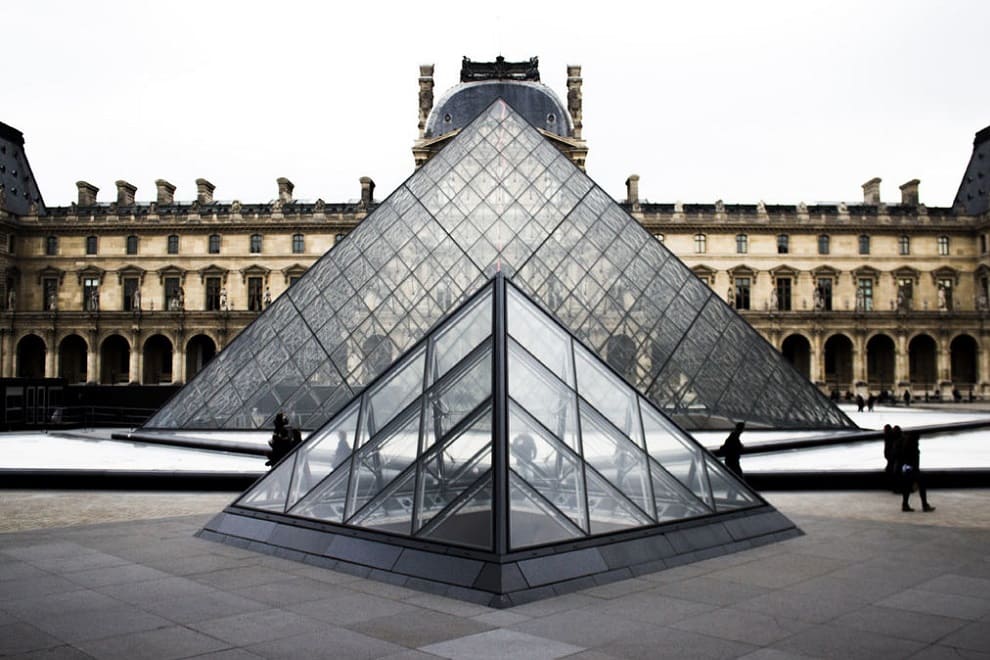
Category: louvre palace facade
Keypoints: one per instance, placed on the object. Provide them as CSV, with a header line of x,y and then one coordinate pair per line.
x,y
126,288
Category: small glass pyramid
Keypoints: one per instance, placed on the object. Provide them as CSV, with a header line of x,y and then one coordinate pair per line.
x,y
499,432
500,197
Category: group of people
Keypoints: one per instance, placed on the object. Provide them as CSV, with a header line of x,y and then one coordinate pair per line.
x,y
284,440
903,454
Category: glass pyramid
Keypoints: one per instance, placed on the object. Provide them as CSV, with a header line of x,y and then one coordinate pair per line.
x,y
499,432
499,197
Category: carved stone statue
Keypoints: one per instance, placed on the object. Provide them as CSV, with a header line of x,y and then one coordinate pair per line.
x,y
223,298
136,300
819,302
11,300
942,305
860,299
730,296
52,303
94,300
235,207
774,302
180,298
901,299
268,297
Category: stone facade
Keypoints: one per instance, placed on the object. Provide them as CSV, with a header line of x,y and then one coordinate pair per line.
x,y
863,296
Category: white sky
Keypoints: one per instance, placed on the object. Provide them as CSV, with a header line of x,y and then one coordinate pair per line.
x,y
740,101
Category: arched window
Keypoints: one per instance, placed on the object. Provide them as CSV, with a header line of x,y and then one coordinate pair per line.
x,y
824,244
255,244
214,247
132,244
700,243
943,245
298,244
742,243
904,244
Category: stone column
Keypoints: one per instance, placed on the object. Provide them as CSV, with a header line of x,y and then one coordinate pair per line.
x,y
859,358
983,361
901,367
51,351
178,363
6,347
816,359
134,365
93,359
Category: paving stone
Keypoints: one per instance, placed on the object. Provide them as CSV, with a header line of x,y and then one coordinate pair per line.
x,y
160,644
651,608
152,590
30,609
780,570
900,623
261,626
242,576
585,628
203,607
958,585
973,636
22,637
709,590
446,605
96,624
916,600
499,644
619,588
834,642
331,642
33,587
349,608
12,569
287,592
82,562
419,631
740,626
64,652
810,607
500,618
939,652
673,643
119,574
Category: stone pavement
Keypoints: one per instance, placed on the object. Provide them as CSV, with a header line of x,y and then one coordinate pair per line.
x,y
866,581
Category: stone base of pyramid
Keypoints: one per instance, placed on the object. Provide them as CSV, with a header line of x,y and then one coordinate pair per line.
x,y
508,580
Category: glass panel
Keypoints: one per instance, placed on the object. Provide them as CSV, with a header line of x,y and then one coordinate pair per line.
x,y
323,451
445,474
547,466
533,520
271,491
534,330
449,403
674,501
675,452
610,396
608,510
327,500
468,522
464,333
382,460
615,458
728,492
392,510
392,395
547,398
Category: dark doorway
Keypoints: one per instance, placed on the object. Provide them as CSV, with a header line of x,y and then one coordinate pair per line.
x,y
157,360
31,352
921,361
199,351
838,362
965,357
797,350
115,360
880,362
73,357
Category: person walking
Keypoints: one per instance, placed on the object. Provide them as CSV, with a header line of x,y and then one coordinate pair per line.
x,y
911,476
732,450
860,403
907,397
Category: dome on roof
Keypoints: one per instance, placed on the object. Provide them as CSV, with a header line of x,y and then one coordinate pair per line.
x,y
534,101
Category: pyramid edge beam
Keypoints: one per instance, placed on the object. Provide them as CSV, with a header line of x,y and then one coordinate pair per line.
x,y
508,581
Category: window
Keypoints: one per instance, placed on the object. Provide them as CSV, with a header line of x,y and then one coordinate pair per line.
x,y
783,294
943,245
51,245
742,285
824,244
49,293
255,244
823,295
904,245
91,294
132,300
91,245
254,294
173,294
298,244
660,237
944,293
864,296
783,244
905,293
132,244
864,244
213,294
173,244
214,247
742,243
700,244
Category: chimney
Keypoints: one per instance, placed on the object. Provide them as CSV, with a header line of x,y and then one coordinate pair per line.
x,y
425,96
871,192
87,193
166,192
204,191
632,190
574,81
285,188
909,192
125,193
367,192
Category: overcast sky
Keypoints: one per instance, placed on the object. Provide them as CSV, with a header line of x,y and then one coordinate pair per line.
x,y
739,101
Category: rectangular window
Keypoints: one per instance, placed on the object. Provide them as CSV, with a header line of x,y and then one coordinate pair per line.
x,y
91,294
131,301
824,244
904,245
255,244
783,244
49,293
866,294
742,292
943,245
784,294
173,297
255,294
51,245
91,245
298,244
700,244
214,247
864,244
132,245
905,293
824,294
173,244
213,294
742,243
